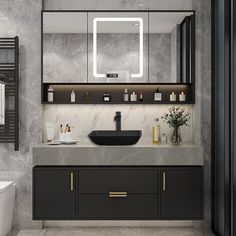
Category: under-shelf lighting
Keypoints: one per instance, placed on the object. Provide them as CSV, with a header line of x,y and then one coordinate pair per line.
x,y
112,19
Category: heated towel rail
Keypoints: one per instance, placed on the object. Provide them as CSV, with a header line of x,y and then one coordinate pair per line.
x,y
9,91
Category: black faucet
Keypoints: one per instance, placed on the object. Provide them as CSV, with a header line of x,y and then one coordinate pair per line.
x,y
117,119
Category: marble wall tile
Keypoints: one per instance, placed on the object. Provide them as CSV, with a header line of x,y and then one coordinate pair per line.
x,y
22,18
85,118
203,97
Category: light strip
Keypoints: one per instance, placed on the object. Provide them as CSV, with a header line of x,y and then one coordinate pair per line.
x,y
136,19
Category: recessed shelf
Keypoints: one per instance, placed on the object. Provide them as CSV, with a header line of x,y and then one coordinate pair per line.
x,y
62,93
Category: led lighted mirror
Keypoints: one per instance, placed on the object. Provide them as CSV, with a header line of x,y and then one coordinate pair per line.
x,y
139,22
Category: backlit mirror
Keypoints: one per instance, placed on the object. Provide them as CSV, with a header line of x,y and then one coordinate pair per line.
x,y
117,47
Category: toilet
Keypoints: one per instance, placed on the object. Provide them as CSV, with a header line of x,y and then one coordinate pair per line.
x,y
7,198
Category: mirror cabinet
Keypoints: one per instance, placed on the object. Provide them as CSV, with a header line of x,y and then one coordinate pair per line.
x,y
147,49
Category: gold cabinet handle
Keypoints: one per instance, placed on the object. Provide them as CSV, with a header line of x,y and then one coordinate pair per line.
x,y
71,181
164,181
118,194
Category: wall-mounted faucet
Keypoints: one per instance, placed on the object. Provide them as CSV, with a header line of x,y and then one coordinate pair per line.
x,y
117,119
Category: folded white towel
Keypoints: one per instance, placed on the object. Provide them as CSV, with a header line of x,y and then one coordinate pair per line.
x,y
2,104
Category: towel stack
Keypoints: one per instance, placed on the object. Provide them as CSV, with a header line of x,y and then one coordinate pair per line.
x,y
2,104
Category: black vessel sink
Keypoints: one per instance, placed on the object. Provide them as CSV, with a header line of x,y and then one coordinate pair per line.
x,y
112,137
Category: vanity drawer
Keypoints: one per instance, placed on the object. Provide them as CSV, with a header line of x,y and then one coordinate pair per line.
x,y
131,180
134,206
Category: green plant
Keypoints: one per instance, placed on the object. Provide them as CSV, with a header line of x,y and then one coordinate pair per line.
x,y
176,117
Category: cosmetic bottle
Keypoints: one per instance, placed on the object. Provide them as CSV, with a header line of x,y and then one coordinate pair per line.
x,y
87,96
173,97
133,97
157,96
182,97
106,97
126,95
156,132
141,96
72,96
163,139
50,94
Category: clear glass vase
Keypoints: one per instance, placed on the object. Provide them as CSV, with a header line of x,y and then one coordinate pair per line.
x,y
176,137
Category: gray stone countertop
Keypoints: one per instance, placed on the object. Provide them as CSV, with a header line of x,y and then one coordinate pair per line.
x,y
87,153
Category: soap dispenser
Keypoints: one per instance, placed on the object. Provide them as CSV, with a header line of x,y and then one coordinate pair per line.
x,y
156,129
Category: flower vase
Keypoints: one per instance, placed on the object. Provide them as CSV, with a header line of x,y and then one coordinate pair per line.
x,y
175,137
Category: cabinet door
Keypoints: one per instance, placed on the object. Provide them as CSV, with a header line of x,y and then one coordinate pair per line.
x,y
54,193
64,41
181,193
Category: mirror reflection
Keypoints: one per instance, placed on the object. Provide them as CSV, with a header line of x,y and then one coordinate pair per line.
x,y
65,47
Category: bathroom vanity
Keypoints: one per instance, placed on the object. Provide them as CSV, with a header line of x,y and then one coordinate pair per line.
x,y
117,192
140,182
98,60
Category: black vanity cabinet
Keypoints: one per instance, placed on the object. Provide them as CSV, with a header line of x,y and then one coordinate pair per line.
x,y
117,193
54,195
181,193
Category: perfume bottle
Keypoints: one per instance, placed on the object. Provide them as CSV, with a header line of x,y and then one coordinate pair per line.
x,y
156,129
106,97
72,96
157,96
87,96
141,96
163,138
126,95
50,94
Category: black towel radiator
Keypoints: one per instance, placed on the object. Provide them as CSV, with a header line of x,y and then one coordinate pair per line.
x,y
9,75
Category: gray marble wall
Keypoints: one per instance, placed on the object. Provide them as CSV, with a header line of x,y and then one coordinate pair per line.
x,y
65,57
22,18
203,96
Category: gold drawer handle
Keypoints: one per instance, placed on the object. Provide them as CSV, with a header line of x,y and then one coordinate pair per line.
x,y
118,194
71,181
164,181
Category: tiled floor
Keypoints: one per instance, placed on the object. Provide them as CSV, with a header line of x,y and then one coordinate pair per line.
x,y
113,232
